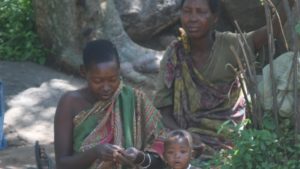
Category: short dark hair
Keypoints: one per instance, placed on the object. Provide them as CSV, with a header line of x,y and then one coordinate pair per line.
x,y
178,134
214,5
100,51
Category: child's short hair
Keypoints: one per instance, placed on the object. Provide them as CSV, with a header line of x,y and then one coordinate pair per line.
x,y
100,51
179,134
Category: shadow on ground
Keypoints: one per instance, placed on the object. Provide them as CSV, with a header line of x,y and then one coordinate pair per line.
x,y
32,92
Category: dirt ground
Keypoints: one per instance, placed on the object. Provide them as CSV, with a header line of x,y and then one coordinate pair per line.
x,y
32,92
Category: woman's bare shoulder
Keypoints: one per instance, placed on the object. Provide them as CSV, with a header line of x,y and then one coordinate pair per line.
x,y
72,102
72,95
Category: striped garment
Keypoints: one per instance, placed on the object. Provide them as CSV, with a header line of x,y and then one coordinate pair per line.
x,y
128,120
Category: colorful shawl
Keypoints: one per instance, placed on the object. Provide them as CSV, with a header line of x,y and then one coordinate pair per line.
x,y
127,120
204,99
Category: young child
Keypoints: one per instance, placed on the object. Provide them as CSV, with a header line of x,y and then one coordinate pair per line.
x,y
178,150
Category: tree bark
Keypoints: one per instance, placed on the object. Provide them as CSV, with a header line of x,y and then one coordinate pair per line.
x,y
65,26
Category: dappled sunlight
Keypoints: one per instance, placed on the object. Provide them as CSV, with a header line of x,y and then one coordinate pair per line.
x,y
103,5
25,166
32,111
41,130
34,96
48,115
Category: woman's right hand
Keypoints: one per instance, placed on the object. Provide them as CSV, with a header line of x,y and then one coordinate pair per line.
x,y
109,152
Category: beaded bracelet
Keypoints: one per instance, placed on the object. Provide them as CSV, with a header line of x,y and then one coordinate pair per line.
x,y
144,155
148,155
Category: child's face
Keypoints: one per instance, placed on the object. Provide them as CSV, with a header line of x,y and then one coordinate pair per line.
x,y
178,153
103,79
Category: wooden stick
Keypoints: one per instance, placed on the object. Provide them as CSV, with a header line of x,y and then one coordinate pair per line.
x,y
295,48
242,77
280,23
295,73
254,93
271,46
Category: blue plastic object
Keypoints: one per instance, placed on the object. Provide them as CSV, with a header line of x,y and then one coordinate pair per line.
x,y
2,138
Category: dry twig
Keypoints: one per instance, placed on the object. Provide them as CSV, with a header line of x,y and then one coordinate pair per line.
x,y
252,84
271,46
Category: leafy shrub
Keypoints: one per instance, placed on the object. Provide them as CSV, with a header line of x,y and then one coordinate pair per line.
x,y
261,149
18,39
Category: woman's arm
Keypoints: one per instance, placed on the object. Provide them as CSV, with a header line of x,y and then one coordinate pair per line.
x,y
260,36
63,139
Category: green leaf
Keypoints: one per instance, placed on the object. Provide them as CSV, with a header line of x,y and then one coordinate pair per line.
x,y
18,39
223,126
269,123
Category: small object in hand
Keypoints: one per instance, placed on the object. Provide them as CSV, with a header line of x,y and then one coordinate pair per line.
x,y
125,160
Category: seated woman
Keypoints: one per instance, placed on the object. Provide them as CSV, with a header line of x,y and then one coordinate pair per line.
x,y
106,124
197,90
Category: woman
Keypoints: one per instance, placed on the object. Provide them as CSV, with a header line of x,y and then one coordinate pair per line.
x,y
197,88
106,125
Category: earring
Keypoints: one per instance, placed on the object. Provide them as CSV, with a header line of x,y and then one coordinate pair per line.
x,y
185,41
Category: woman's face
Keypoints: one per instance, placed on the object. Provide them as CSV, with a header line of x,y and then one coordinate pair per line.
x,y
197,18
178,153
103,79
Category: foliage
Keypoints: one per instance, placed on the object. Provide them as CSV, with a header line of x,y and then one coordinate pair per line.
x,y
262,2
18,39
261,149
274,145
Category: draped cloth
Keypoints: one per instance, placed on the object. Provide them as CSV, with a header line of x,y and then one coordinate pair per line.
x,y
129,120
203,98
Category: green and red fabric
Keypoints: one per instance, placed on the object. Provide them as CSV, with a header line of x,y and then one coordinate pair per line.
x,y
129,120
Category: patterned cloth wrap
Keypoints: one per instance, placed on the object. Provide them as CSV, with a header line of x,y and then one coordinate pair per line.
x,y
203,98
129,120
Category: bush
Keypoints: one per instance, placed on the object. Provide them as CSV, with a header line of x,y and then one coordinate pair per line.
x,y
261,149
18,39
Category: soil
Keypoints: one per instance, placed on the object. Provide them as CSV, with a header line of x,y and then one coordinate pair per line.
x,y
31,94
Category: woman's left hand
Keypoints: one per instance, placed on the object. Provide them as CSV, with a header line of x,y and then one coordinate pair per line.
x,y
134,155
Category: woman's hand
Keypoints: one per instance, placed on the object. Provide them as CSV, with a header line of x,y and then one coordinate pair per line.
x,y
134,155
109,152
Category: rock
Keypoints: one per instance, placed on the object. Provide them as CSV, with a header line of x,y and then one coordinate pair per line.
x,y
144,19
250,15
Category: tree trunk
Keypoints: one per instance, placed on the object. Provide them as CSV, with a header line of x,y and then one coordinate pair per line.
x,y
65,26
